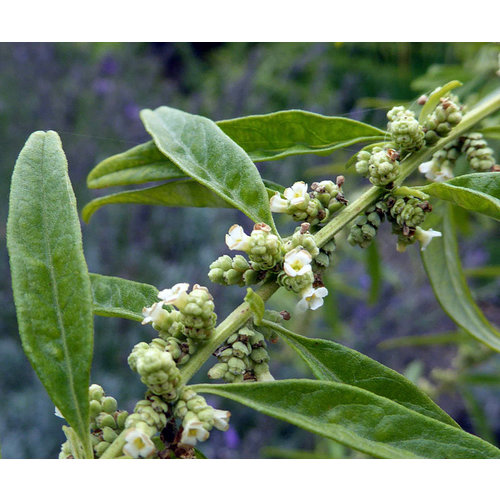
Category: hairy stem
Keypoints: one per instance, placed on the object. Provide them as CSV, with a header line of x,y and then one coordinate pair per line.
x,y
242,313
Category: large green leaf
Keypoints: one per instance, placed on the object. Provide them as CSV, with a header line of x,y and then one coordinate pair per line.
x,y
356,418
121,298
172,194
443,267
478,192
263,137
50,279
296,132
337,363
141,164
202,151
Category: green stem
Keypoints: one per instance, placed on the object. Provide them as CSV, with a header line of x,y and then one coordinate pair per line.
x,y
116,447
242,313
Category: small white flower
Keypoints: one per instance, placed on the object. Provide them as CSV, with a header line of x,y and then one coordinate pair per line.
x,y
153,314
237,239
175,294
296,194
297,262
221,420
426,167
425,237
193,432
57,412
138,444
445,174
278,204
312,298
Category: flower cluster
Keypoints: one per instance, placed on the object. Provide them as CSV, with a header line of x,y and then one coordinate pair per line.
x,y
479,155
365,226
380,165
440,167
198,418
406,133
243,357
314,207
448,114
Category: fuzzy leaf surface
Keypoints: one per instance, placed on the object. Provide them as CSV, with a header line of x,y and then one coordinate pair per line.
x,y
50,279
337,363
356,418
202,151
118,297
442,264
477,192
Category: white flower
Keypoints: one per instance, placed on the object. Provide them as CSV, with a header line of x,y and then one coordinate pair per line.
x,y
444,174
296,194
57,412
426,167
312,298
138,444
153,314
278,204
425,237
221,420
237,239
297,262
174,295
193,432
432,172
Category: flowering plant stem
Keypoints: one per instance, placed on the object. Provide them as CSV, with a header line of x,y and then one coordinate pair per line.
x,y
242,313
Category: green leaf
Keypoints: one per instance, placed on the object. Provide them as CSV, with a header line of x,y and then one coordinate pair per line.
x,y
256,305
50,279
172,194
296,132
337,363
491,132
121,298
434,98
443,267
144,163
356,418
202,151
478,192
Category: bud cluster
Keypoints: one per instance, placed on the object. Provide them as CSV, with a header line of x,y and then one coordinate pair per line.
x,y
439,123
406,133
198,418
440,167
365,226
479,155
106,422
380,165
314,207
242,357
235,271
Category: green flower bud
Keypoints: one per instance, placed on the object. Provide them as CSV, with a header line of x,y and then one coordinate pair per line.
x,y
150,412
236,366
96,392
363,163
218,371
109,404
109,435
95,408
365,226
251,277
260,355
105,420
408,211
120,418
137,351
101,448
262,372
233,378
295,283
304,239
240,350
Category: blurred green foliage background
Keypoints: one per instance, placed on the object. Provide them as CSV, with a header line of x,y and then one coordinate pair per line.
x,y
91,94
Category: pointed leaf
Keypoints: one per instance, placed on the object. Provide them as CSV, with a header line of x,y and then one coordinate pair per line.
x,y
121,298
434,98
256,305
172,194
356,418
478,192
337,363
50,279
296,132
202,151
143,163
443,267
